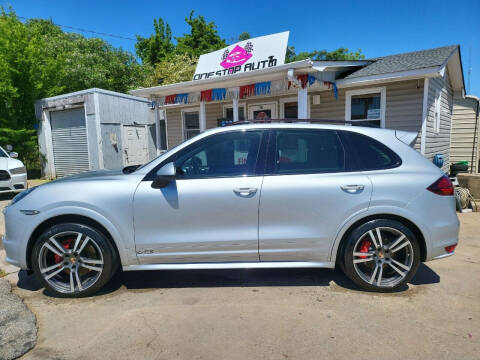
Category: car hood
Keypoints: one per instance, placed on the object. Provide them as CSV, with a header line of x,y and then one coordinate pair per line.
x,y
7,163
93,175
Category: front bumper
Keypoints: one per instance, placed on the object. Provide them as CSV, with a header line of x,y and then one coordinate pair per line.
x,y
16,183
15,239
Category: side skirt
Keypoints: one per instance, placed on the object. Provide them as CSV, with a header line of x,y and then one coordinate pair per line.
x,y
232,265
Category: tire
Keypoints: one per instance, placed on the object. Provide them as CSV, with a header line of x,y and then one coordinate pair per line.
x,y
73,260
383,268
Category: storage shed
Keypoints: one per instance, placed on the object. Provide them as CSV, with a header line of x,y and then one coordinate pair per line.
x,y
465,132
94,129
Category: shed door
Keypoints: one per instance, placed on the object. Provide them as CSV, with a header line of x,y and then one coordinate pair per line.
x,y
135,145
69,138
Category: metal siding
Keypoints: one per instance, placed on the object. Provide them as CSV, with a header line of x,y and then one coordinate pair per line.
x,y
69,139
463,129
439,143
116,111
112,154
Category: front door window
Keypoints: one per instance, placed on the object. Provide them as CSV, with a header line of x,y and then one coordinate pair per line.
x,y
225,155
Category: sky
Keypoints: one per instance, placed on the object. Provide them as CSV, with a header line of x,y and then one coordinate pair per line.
x,y
376,27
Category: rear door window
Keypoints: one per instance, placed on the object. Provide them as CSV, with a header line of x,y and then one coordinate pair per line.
x,y
370,154
308,151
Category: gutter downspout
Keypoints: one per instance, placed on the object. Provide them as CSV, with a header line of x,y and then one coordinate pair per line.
x,y
423,138
474,143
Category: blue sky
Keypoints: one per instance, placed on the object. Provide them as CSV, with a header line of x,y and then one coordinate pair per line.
x,y
377,27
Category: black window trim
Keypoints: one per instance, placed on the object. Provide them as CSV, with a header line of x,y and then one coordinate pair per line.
x,y
259,168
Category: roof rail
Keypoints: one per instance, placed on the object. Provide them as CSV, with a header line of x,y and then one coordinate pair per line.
x,y
298,121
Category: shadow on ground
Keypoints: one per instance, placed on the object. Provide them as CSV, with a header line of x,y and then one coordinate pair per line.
x,y
137,280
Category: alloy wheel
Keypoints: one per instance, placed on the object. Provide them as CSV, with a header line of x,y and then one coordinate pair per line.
x,y
70,261
383,256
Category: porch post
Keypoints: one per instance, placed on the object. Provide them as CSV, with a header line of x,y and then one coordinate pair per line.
x,y
235,110
302,103
157,129
203,117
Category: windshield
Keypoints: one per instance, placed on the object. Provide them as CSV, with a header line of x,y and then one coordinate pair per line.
x,y
3,153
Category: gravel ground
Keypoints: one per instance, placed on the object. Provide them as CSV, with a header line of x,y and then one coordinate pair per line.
x,y
18,331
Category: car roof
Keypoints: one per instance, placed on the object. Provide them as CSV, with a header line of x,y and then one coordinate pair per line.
x,y
337,125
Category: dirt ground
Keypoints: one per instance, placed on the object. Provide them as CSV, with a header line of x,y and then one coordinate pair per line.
x,y
268,314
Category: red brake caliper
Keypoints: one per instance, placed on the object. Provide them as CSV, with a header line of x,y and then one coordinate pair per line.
x,y
364,246
66,245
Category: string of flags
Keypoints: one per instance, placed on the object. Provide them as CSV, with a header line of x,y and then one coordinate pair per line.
x,y
257,89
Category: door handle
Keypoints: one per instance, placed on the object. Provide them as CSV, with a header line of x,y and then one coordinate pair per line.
x,y
245,192
352,188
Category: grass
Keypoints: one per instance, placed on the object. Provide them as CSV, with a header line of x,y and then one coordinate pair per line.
x,y
2,273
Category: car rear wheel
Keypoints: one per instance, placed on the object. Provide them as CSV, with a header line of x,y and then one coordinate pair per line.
x,y
381,255
73,260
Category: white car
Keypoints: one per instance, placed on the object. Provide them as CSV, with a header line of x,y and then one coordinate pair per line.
x,y
13,174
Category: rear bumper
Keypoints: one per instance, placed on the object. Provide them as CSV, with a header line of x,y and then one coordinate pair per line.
x,y
440,223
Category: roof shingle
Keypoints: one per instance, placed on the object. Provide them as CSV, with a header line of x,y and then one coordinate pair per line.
x,y
404,62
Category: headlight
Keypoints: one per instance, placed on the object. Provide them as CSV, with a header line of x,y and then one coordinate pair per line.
x,y
19,170
21,195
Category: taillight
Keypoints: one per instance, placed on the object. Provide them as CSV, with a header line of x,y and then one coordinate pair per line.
x,y
451,248
442,186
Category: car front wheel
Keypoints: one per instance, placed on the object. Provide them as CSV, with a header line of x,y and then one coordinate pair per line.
x,y
381,255
73,260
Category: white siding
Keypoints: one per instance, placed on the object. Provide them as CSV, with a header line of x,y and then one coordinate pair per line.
x,y
403,108
439,143
464,140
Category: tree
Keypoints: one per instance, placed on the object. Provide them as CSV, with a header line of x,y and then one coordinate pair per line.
x,y
173,69
37,60
155,48
203,37
244,36
318,55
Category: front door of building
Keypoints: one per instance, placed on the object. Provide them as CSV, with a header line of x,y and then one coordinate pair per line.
x,y
135,145
265,111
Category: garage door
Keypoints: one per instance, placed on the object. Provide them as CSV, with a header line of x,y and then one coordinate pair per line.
x,y
69,138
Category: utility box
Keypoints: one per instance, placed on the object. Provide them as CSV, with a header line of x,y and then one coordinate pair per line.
x,y
94,129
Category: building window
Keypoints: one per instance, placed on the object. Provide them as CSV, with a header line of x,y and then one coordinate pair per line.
x,y
366,107
290,110
228,112
438,110
191,123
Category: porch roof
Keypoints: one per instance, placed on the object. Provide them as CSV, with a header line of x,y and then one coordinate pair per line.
x,y
239,79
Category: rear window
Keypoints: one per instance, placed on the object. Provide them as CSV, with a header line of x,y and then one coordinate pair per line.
x,y
370,153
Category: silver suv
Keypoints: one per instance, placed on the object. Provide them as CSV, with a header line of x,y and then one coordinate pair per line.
x,y
244,196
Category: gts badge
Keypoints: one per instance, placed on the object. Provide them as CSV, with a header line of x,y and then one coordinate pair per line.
x,y
145,251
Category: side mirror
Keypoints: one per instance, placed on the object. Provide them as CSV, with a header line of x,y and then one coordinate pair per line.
x,y
14,155
164,175
9,147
